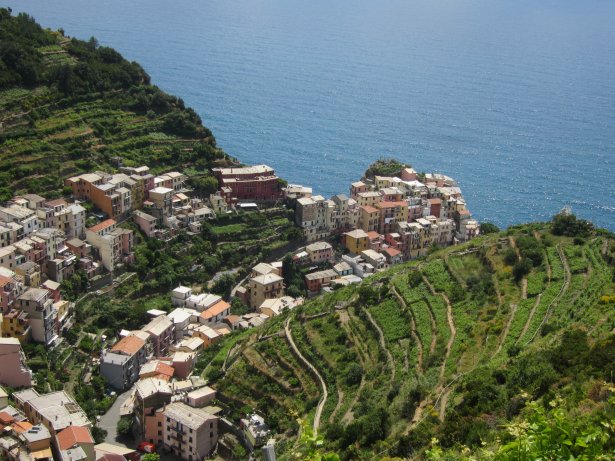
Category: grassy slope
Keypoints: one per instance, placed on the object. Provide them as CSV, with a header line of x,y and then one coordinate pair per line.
x,y
426,390
47,134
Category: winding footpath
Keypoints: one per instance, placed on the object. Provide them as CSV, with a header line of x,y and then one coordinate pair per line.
x,y
566,284
413,332
325,392
382,343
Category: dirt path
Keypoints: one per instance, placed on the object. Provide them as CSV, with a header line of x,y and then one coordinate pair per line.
x,y
451,325
413,332
325,393
382,343
434,328
340,399
506,329
444,402
567,278
529,318
524,288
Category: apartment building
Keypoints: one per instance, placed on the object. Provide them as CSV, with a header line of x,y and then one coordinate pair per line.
x,y
162,332
265,287
14,371
120,365
257,183
37,303
113,244
56,410
189,433
22,216
320,252
356,241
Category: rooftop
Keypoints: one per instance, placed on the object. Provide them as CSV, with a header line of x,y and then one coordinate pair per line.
x,y
74,435
192,418
218,308
56,407
103,225
267,279
129,345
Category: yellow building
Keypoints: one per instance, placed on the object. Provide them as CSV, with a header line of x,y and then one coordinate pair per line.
x,y
357,241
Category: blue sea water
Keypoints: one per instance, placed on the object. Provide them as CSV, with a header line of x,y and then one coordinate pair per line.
x,y
513,98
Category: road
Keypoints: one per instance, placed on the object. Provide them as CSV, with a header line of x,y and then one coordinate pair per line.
x,y
109,420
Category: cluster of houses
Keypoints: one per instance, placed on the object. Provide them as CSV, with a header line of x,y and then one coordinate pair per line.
x,y
47,427
409,214
171,407
158,204
42,244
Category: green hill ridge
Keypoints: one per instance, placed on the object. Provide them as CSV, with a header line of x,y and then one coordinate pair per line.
x,y
69,106
456,347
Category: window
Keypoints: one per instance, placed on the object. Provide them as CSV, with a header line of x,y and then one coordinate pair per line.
x,y
159,423
211,434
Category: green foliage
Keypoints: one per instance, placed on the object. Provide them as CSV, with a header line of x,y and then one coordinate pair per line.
x,y
385,167
124,426
71,106
521,269
569,226
224,285
489,228
150,457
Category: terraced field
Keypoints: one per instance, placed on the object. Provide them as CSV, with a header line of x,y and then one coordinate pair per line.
x,y
403,344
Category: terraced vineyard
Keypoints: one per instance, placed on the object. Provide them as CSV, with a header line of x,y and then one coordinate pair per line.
x,y
397,353
70,106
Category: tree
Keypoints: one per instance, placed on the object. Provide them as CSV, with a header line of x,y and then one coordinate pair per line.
x,y
489,228
521,269
124,427
568,225
224,285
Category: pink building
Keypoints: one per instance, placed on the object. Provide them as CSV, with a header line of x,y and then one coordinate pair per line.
x,y
162,331
13,369
146,222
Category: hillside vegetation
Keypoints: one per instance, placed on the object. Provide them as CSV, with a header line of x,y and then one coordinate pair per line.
x,y
466,347
69,106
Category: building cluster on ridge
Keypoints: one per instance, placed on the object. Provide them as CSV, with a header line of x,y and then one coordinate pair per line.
x,y
410,214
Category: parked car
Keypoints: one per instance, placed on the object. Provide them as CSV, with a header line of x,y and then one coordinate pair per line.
x,y
146,447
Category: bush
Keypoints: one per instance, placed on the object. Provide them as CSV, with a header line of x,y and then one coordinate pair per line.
x,y
521,269
124,426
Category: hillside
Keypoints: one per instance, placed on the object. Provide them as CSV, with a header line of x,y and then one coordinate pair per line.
x,y
68,106
453,347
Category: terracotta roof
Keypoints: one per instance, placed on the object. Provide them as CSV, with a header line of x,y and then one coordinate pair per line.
x,y
73,435
102,225
369,209
435,201
21,426
5,280
129,345
56,202
392,251
216,309
373,235
165,369
231,319
5,418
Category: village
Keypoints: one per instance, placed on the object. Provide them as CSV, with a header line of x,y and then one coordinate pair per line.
x,y
384,221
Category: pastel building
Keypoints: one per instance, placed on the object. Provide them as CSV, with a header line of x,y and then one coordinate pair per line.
x,y
14,371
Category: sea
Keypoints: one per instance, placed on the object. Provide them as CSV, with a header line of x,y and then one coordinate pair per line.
x,y
515,99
